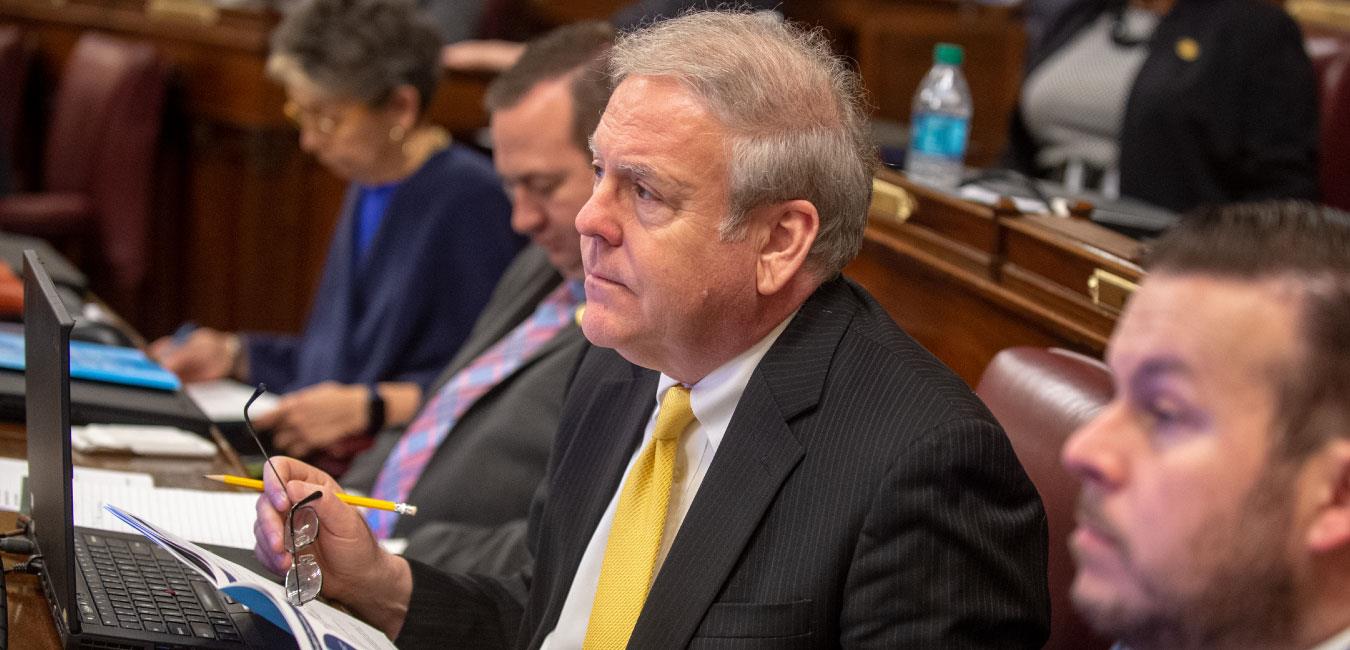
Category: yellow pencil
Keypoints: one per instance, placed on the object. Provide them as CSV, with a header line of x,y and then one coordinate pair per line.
x,y
364,502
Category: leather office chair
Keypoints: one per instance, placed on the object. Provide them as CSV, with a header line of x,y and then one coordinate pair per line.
x,y
98,165
1040,396
1330,54
16,57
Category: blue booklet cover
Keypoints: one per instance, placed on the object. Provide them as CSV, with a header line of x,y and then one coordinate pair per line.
x,y
97,362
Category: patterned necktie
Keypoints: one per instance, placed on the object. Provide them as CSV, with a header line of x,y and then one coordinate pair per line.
x,y
410,456
639,523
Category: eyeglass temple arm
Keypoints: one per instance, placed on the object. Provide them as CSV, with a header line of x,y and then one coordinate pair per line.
x,y
248,424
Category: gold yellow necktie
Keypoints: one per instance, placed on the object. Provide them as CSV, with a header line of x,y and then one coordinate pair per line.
x,y
639,522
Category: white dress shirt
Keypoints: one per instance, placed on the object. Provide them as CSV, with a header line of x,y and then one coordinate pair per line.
x,y
713,400
1339,642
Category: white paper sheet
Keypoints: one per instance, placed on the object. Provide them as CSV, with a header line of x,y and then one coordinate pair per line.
x,y
13,471
223,400
221,518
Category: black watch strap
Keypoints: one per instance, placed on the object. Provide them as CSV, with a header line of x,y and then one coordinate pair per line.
x,y
374,411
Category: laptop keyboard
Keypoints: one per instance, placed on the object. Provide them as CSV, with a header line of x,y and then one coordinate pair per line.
x,y
136,585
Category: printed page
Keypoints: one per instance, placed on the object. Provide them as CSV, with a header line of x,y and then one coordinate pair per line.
x,y
205,517
315,625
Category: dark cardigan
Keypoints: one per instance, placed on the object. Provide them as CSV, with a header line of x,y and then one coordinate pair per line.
x,y
403,312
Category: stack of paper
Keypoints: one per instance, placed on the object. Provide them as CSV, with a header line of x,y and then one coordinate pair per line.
x,y
205,517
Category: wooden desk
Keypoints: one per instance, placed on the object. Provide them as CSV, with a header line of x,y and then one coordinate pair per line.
x,y
968,280
30,620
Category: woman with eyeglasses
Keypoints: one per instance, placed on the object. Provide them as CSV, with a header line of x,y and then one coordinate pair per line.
x,y
1174,102
423,235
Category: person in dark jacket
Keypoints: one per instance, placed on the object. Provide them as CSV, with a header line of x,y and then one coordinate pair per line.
x,y
1178,103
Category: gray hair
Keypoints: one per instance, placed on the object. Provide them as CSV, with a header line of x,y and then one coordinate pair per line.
x,y
362,49
795,111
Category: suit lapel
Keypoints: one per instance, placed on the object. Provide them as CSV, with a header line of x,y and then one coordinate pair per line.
x,y
590,471
757,454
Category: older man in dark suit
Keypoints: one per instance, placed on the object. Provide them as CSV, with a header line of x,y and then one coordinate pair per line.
x,y
763,459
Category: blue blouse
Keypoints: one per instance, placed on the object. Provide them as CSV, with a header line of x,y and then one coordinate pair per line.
x,y
403,310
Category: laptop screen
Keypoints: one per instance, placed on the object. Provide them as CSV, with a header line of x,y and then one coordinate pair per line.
x,y
46,333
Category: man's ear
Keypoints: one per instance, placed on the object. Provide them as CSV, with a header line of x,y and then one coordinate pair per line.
x,y
1330,529
789,229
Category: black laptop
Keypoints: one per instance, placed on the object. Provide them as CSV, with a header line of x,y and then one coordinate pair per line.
x,y
106,589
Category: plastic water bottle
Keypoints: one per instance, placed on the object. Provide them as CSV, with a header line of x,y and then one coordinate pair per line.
x,y
939,126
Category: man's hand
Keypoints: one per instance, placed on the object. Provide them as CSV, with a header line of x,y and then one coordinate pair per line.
x,y
206,354
481,56
315,417
373,584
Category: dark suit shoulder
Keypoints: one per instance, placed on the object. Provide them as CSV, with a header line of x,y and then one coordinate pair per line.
x,y
875,365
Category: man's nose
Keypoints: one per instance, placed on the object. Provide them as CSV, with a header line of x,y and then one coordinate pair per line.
x,y
1093,454
526,217
596,218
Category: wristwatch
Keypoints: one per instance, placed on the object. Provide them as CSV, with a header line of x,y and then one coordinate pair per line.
x,y
374,412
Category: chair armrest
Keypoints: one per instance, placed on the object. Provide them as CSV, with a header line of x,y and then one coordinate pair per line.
x,y
47,214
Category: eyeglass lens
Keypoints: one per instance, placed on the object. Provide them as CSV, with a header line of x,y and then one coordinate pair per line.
x,y
304,579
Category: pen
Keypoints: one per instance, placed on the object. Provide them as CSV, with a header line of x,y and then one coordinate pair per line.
x,y
180,335
364,502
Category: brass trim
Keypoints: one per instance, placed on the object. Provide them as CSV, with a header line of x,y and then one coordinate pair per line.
x,y
197,11
1109,290
1330,13
891,203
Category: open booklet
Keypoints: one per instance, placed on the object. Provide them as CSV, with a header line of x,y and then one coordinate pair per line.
x,y
315,626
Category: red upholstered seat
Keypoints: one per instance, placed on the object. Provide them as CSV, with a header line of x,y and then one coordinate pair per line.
x,y
99,162
1040,396
1330,54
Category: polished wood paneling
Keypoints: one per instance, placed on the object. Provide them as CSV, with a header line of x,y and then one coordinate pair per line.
x,y
968,280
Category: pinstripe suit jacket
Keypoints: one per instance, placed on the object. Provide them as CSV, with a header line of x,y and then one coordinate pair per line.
x,y
862,497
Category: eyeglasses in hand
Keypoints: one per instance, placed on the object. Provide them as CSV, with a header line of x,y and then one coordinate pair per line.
x,y
304,579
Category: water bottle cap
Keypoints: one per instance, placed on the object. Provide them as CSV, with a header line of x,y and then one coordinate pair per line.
x,y
948,53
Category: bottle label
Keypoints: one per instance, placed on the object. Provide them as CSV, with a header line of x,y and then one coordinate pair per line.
x,y
939,135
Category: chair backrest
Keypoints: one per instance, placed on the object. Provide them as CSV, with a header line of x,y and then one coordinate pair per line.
x,y
1040,396
1330,54
16,56
102,141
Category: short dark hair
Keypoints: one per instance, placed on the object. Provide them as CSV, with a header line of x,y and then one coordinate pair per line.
x,y
580,50
1301,241
362,49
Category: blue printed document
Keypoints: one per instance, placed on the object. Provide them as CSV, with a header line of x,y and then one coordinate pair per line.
x,y
315,625
97,362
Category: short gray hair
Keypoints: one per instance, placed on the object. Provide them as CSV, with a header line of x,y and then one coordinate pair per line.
x,y
795,110
362,49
